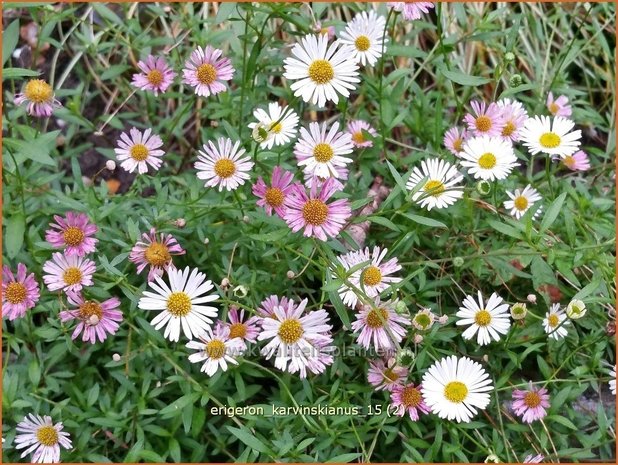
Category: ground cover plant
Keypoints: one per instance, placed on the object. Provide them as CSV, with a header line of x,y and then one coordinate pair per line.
x,y
308,232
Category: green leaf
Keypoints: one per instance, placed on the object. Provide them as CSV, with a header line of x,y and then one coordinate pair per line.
x,y
464,79
12,73
107,14
424,220
344,458
10,37
586,291
113,71
37,150
505,229
384,222
14,237
249,439
397,176
562,420
175,408
225,11
552,212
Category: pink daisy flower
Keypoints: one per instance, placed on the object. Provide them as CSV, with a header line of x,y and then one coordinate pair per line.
x,y
380,325
329,31
68,273
156,75
579,161
355,129
408,399
267,306
139,150
41,436
560,106
514,116
341,174
206,71
73,233
299,340
411,10
322,355
534,458
39,96
275,196
313,214
485,120
97,320
246,330
155,252
530,404
375,275
223,166
18,294
454,140
385,375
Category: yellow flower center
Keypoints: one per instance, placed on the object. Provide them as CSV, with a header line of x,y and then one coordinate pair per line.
x,y
47,435
72,275
15,293
276,128
238,330
372,276
373,318
550,140
569,161
321,71
73,236
458,144
274,197
362,43
157,254
323,152
324,31
224,168
290,331
358,137
482,318
215,349
390,375
139,152
553,320
206,74
38,91
483,123
508,129
521,203
487,161
411,397
455,391
315,212
155,77
179,304
434,187
532,399
90,308
553,108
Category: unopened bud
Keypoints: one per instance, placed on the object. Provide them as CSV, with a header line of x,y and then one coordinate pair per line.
x,y
93,320
290,274
483,187
246,219
116,357
518,311
206,241
225,283
401,307
531,298
515,80
180,222
110,165
509,56
576,309
418,338
485,358
458,261
443,319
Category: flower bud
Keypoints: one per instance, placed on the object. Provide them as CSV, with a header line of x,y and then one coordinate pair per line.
x,y
576,309
518,311
110,165
483,187
246,219
418,338
206,241
531,298
509,56
240,291
458,261
443,319
290,274
180,222
225,283
93,320
516,80
405,358
401,308
116,357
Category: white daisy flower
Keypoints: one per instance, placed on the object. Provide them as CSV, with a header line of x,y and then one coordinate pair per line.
x,y
490,320
612,382
223,165
488,158
181,303
298,341
280,121
522,201
375,275
40,435
321,71
364,34
138,150
541,134
215,349
454,388
320,153
440,187
555,322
